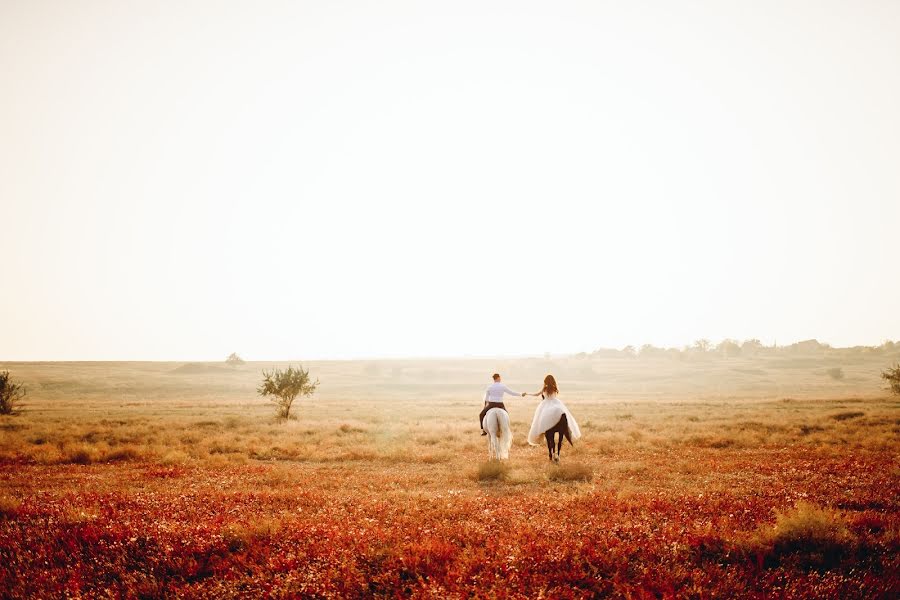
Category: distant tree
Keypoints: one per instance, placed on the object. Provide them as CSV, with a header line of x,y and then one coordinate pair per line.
x,y
703,345
751,347
11,394
282,387
606,353
629,351
892,375
674,353
234,360
649,351
806,347
728,348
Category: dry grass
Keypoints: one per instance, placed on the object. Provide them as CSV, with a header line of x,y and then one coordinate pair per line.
x,y
807,536
851,414
240,536
698,456
570,472
493,470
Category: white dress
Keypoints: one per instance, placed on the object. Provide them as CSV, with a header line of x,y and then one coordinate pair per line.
x,y
546,415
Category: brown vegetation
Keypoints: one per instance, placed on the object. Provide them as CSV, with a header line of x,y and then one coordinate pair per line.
x,y
733,476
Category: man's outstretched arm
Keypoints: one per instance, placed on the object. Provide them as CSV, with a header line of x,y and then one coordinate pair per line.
x,y
506,390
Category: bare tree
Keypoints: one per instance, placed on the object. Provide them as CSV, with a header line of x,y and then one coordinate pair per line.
x,y
11,394
282,387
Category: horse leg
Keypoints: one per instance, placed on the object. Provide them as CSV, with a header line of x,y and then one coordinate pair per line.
x,y
563,432
559,445
548,435
555,457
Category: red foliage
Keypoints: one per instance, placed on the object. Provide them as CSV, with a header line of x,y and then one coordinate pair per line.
x,y
179,531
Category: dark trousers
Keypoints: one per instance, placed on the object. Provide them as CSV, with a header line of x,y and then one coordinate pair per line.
x,y
488,407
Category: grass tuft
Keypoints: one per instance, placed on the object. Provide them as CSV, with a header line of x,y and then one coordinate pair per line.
x,y
570,472
79,455
239,537
493,470
124,453
806,536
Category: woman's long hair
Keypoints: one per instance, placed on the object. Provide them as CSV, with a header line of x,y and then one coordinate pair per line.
x,y
550,385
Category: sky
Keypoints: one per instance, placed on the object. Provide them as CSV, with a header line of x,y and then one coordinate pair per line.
x,y
347,179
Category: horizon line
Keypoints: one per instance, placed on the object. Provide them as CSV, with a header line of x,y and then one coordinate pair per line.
x,y
360,358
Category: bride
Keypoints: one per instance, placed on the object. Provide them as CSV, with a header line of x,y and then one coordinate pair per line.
x,y
552,417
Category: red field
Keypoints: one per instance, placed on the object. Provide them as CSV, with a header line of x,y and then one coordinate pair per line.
x,y
749,498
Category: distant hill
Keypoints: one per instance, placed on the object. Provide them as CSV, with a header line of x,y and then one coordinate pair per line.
x,y
198,368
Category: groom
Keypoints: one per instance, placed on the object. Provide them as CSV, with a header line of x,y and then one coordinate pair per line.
x,y
493,398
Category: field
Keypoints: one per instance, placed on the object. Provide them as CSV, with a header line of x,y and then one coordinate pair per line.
x,y
709,477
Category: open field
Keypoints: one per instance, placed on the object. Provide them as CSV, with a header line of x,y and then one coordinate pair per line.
x,y
752,477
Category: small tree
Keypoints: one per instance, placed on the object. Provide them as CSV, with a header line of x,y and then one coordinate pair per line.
x,y
10,394
892,376
234,360
282,387
729,348
703,345
751,347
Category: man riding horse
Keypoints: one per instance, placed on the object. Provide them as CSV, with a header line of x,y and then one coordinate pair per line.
x,y
493,398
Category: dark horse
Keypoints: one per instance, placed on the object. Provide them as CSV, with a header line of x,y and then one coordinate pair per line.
x,y
561,428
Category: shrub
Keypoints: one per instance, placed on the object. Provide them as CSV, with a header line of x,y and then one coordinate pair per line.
x,y
11,394
80,455
240,536
124,453
892,376
850,414
806,535
570,472
492,470
345,428
284,386
234,360
835,373
808,429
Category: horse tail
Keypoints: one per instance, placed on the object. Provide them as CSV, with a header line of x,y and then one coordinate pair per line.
x,y
505,434
564,421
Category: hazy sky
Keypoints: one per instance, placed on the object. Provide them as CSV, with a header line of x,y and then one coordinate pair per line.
x,y
289,180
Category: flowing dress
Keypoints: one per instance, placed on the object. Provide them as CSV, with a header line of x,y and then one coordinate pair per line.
x,y
547,415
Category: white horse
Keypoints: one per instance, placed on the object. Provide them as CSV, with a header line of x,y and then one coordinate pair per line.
x,y
496,423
